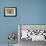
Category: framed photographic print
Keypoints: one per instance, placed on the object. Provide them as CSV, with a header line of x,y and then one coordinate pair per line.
x,y
10,11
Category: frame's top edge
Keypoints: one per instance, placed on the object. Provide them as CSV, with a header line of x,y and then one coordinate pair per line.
x,y
10,7
31,24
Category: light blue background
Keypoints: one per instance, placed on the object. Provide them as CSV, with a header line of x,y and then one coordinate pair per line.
x,y
28,12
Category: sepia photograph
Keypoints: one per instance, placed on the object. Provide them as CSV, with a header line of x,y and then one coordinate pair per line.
x,y
10,11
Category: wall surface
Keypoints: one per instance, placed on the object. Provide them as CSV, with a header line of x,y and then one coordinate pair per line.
x,y
28,12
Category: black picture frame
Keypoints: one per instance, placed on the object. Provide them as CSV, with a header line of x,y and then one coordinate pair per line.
x,y
14,9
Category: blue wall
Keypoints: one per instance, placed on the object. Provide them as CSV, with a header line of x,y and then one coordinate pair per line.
x,y
28,12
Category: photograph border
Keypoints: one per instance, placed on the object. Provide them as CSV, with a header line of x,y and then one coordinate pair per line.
x,y
10,7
